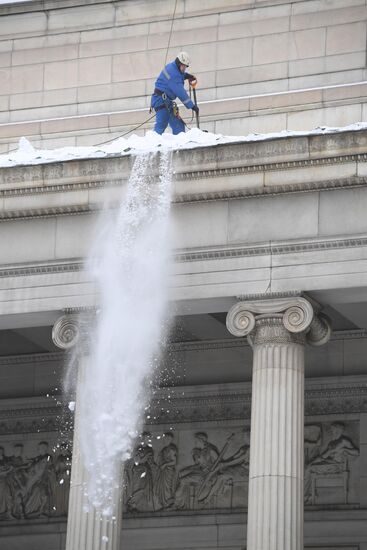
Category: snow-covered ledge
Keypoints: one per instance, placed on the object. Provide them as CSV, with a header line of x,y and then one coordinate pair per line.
x,y
301,232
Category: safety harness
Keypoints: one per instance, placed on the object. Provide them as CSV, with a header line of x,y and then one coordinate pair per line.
x,y
170,105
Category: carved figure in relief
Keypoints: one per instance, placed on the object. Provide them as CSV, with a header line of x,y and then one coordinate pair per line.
x,y
166,481
62,481
312,442
18,479
333,459
190,479
38,493
141,473
5,488
209,451
227,470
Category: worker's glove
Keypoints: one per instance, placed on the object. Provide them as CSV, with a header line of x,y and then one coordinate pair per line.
x,y
190,77
195,109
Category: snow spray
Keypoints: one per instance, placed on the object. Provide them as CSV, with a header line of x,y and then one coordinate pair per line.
x,y
130,266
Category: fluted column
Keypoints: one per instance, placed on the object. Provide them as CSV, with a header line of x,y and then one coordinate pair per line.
x,y
87,527
277,330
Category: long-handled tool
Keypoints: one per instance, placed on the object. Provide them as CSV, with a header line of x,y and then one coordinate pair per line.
x,y
193,84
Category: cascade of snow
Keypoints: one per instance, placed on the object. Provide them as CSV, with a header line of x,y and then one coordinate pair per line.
x,y
129,265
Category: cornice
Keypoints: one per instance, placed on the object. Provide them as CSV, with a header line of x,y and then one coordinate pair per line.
x,y
223,405
269,248
31,358
45,188
48,212
174,347
223,194
209,196
197,255
285,189
228,343
269,167
42,269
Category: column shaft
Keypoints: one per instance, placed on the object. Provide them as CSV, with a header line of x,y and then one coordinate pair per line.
x,y
275,507
87,528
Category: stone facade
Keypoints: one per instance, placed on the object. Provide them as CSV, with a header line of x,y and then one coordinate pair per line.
x,y
279,219
204,439
82,72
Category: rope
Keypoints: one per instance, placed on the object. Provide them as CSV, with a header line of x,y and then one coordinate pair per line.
x,y
151,117
170,33
165,62
128,132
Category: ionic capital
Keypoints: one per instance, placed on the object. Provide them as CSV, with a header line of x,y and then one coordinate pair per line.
x,y
294,316
66,331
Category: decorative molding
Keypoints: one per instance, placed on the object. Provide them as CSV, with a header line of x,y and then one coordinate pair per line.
x,y
223,404
25,214
248,192
77,265
190,175
31,358
42,269
285,189
269,167
226,343
262,250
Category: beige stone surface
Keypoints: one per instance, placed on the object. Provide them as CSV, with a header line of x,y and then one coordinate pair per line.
x,y
346,38
38,99
79,17
105,59
63,74
95,70
107,46
287,46
137,65
329,15
330,63
185,37
28,78
287,99
133,12
23,24
116,90
251,124
234,53
5,59
45,41
5,76
331,116
44,113
252,73
318,6
73,124
333,78
121,32
186,23
45,54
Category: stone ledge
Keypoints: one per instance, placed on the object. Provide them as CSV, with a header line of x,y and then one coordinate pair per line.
x,y
274,166
210,110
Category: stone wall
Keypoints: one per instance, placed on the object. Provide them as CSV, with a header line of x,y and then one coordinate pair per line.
x,y
189,466
76,72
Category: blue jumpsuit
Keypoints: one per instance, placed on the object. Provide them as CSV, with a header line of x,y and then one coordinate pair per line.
x,y
171,82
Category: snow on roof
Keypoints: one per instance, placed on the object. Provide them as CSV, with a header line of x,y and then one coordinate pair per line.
x,y
26,154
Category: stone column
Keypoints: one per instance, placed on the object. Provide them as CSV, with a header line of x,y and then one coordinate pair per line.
x,y
87,528
277,330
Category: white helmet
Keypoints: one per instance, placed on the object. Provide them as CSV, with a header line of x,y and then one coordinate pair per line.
x,y
183,58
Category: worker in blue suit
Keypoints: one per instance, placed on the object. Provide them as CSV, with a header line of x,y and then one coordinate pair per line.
x,y
168,86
